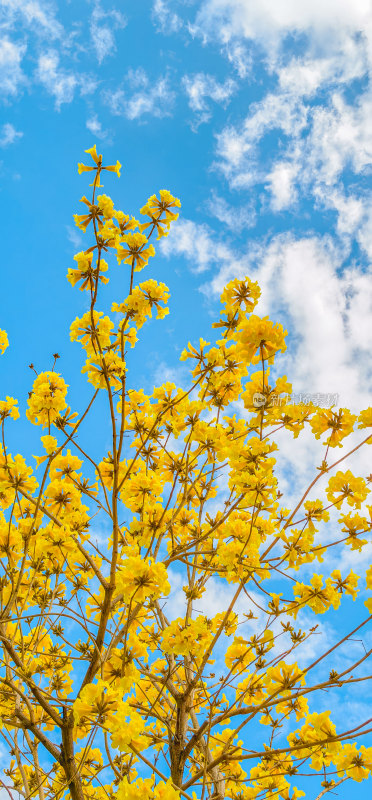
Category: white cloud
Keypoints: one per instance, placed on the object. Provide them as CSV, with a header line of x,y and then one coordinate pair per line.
x,y
196,243
40,16
201,86
153,97
240,58
350,210
165,20
237,147
320,133
340,136
156,100
9,135
75,237
56,80
317,143
137,78
281,180
163,372
365,233
12,76
102,30
303,76
88,84
95,127
271,20
236,218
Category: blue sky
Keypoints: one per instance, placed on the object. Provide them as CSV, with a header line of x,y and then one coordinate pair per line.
x,y
256,114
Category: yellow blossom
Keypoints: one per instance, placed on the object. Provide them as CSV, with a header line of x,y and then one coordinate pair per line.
x,y
136,250
3,341
47,398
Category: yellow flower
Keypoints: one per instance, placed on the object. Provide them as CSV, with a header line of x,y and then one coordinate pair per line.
x,y
86,272
141,789
93,330
347,585
114,168
283,678
92,151
126,728
95,699
61,498
141,579
106,205
8,408
94,214
353,525
340,423
357,764
3,341
135,252
141,301
65,465
183,638
103,369
49,444
14,473
259,338
369,578
47,399
314,511
239,293
365,420
155,209
345,486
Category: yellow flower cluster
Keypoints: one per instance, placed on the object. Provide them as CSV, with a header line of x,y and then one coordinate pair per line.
x,y
47,399
319,597
9,408
144,789
138,306
258,338
93,331
345,486
339,423
3,341
190,637
138,580
86,273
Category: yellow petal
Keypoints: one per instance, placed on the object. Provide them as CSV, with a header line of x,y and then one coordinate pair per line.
x,y
93,152
83,168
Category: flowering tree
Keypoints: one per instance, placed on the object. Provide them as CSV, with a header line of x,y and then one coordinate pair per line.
x,y
103,691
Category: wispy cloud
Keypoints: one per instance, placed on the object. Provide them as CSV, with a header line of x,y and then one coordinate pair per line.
x,y
75,237
9,135
152,97
202,87
12,75
281,181
56,80
318,141
237,146
196,243
236,218
39,15
95,127
270,21
165,19
103,25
